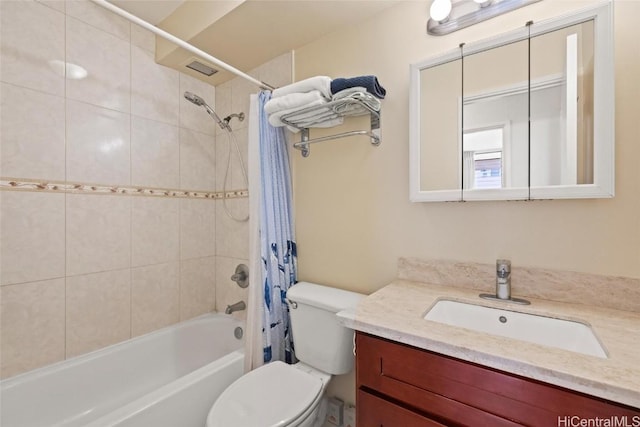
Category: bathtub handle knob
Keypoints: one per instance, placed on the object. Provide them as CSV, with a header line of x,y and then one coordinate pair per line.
x,y
241,276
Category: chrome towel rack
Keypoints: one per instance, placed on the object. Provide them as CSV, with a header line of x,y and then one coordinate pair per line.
x,y
349,107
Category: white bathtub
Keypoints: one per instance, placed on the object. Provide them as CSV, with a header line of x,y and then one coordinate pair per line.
x,y
168,378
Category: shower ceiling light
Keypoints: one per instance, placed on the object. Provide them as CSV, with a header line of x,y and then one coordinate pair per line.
x,y
447,16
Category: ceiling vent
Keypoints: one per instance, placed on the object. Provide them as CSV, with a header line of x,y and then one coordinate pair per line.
x,y
202,68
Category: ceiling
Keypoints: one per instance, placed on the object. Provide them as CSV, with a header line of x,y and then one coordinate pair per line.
x,y
152,11
245,33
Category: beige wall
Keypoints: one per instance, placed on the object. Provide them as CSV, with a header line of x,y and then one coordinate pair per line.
x,y
353,215
352,210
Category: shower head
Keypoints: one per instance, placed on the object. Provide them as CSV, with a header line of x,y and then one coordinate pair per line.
x,y
192,97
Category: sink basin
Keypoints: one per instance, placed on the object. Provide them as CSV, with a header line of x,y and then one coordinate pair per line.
x,y
560,333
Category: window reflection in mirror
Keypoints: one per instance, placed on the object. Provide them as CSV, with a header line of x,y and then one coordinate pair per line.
x,y
495,118
562,65
482,160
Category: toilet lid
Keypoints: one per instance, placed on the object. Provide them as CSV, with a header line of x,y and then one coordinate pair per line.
x,y
273,395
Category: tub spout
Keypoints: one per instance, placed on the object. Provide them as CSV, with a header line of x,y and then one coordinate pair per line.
x,y
235,307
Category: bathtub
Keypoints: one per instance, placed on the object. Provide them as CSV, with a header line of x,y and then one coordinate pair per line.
x,y
167,378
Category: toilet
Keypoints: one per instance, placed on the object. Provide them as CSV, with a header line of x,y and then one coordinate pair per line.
x,y
278,394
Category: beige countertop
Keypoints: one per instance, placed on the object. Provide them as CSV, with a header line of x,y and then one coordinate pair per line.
x,y
396,312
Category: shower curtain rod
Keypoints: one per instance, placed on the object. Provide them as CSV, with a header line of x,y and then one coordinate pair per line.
x,y
204,55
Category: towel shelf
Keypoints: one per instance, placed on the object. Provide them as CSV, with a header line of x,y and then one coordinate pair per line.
x,y
346,107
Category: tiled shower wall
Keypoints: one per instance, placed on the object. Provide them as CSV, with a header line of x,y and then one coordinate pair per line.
x,y
129,234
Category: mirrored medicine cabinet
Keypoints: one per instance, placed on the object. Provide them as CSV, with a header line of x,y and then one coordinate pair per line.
x,y
525,115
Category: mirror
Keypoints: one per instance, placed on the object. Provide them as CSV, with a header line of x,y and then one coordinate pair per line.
x,y
440,163
524,115
562,106
495,149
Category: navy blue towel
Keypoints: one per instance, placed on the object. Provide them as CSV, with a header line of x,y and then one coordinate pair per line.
x,y
369,82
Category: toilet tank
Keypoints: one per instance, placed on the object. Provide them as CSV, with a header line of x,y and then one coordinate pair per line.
x,y
319,340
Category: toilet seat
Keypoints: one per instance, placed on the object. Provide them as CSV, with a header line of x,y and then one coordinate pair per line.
x,y
273,395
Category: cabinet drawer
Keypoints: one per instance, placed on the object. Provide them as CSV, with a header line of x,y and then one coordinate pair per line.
x,y
414,376
376,412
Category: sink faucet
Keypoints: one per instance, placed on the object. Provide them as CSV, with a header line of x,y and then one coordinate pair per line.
x,y
503,279
240,305
503,284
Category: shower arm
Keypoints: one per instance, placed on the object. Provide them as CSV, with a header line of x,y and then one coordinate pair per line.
x,y
168,36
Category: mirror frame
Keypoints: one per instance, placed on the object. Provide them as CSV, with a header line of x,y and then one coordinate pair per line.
x,y
604,113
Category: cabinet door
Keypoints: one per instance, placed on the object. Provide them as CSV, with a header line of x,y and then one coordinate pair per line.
x,y
376,412
468,394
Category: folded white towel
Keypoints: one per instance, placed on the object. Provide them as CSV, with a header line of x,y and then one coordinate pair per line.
x,y
292,101
319,83
348,92
352,108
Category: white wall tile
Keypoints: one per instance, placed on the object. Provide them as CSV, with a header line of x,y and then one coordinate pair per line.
x,y
98,233
241,90
98,145
32,229
107,61
232,237
197,160
192,116
143,38
155,231
279,71
155,297
31,35
32,326
155,154
197,228
225,145
197,287
154,88
99,17
32,134
98,308
59,5
223,102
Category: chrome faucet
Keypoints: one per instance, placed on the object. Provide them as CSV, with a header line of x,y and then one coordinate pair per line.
x,y
240,305
503,279
503,284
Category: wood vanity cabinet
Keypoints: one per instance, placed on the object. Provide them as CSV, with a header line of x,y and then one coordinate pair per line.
x,y
403,386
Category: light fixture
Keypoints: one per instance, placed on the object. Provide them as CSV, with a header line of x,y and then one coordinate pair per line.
x,y
448,16
440,10
483,3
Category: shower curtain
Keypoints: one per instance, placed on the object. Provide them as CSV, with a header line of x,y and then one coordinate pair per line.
x,y
268,153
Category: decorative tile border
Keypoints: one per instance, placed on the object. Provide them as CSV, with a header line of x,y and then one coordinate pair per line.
x,y
9,184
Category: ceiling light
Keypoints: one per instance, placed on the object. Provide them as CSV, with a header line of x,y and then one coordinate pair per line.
x,y
440,10
447,17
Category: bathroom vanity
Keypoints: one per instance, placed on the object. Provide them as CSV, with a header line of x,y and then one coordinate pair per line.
x,y
400,385
411,371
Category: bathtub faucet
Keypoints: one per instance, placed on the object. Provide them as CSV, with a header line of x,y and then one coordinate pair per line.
x,y
235,307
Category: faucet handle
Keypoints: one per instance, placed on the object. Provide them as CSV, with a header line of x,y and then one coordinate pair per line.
x,y
503,268
241,276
